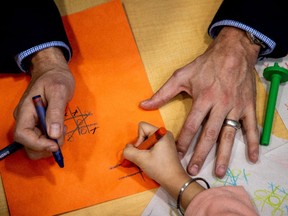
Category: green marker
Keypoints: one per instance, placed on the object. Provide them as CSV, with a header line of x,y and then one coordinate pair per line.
x,y
276,75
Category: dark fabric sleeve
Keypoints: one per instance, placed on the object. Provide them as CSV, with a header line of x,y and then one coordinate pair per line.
x,y
267,17
27,24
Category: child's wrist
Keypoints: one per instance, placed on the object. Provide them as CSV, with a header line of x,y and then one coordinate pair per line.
x,y
188,191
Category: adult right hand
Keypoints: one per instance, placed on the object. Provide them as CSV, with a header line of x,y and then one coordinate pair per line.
x,y
51,78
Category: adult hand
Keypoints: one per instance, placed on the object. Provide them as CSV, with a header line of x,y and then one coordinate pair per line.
x,y
51,78
221,83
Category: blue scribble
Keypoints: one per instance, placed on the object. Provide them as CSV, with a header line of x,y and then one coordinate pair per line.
x,y
233,176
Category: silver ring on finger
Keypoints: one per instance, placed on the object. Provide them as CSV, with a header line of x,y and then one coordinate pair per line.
x,y
232,123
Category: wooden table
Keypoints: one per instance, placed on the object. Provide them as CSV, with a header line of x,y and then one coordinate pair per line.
x,y
169,34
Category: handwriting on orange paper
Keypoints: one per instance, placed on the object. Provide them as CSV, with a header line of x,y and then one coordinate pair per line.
x,y
80,122
139,172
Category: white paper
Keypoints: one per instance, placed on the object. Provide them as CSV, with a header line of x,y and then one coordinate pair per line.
x,y
266,181
282,99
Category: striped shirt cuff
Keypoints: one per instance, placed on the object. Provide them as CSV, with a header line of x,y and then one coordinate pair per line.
x,y
21,56
214,30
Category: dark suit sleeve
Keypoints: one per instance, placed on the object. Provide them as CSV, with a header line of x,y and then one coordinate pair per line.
x,y
267,17
27,24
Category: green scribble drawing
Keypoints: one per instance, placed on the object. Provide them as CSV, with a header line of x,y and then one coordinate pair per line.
x,y
233,177
274,198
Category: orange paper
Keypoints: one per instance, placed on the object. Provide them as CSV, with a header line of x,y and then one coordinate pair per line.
x,y
102,118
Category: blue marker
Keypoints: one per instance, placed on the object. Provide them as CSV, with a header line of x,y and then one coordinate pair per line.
x,y
41,112
13,147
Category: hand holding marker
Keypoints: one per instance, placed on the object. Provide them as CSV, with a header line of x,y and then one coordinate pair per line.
x,y
147,144
41,112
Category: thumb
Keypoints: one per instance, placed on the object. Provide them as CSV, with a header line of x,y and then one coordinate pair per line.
x,y
162,96
55,114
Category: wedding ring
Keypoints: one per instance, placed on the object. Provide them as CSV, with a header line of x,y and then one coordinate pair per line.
x,y
232,123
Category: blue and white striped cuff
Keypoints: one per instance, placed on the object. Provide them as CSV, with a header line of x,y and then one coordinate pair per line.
x,y
270,43
21,56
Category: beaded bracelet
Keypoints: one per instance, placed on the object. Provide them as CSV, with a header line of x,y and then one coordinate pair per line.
x,y
184,186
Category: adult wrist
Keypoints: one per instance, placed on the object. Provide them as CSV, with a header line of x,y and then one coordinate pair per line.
x,y
254,40
23,58
238,39
216,27
46,59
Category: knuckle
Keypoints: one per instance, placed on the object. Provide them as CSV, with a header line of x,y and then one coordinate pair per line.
x,y
198,159
18,134
177,73
62,84
33,156
181,147
226,100
192,128
222,159
159,97
15,113
229,136
59,86
211,135
56,112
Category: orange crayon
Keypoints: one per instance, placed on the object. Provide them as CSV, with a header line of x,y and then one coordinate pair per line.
x,y
147,144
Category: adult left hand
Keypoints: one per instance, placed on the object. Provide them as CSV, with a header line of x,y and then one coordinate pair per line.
x,y
221,83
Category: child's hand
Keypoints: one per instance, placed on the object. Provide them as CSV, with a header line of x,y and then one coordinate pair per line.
x,y
161,162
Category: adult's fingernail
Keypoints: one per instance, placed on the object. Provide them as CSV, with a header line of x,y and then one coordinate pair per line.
x,y
254,157
220,170
144,102
194,169
55,130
